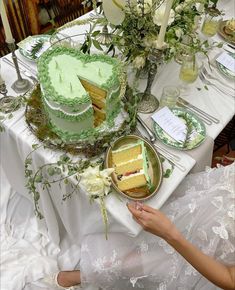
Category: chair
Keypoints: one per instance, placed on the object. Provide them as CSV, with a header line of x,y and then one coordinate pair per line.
x,y
18,22
63,11
18,18
226,137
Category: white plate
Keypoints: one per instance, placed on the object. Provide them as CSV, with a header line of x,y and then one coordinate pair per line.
x,y
28,49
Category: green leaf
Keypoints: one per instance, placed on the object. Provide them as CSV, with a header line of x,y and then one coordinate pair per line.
x,y
10,116
97,45
51,171
38,178
167,173
35,146
95,33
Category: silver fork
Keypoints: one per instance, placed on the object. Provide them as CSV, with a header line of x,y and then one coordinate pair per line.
x,y
209,76
207,82
33,71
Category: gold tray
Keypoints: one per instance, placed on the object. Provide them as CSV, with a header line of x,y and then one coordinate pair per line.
x,y
155,167
227,37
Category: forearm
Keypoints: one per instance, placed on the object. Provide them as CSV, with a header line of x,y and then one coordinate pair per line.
x,y
214,271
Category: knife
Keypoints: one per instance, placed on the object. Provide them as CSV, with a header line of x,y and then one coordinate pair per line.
x,y
206,115
204,119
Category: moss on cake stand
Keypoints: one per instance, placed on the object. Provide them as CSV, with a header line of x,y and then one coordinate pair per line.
x,y
38,123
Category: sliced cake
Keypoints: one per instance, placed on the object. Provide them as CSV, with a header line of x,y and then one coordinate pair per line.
x,y
80,92
131,167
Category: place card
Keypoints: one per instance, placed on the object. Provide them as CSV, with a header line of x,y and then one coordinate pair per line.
x,y
171,124
227,61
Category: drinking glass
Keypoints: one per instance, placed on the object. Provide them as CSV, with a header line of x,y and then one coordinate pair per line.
x,y
211,22
169,96
188,71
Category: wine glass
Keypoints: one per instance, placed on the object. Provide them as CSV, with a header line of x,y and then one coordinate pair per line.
x,y
188,72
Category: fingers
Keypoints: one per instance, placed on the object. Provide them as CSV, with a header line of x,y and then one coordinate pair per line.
x,y
139,206
135,212
148,208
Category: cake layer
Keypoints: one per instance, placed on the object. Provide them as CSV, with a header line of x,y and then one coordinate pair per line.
x,y
132,181
129,166
126,153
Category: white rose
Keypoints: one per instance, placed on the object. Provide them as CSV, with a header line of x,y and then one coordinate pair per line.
x,y
139,62
148,41
179,32
159,15
96,182
179,8
147,6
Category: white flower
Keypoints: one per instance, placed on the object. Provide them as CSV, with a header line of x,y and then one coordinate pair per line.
x,y
179,32
96,182
159,15
139,62
179,8
149,41
147,6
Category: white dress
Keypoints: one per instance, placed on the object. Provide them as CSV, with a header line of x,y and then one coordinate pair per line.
x,y
203,209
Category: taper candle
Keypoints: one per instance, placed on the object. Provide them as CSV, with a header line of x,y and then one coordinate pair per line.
x,y
5,22
161,36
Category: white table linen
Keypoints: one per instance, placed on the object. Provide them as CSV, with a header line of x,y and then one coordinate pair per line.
x,y
72,214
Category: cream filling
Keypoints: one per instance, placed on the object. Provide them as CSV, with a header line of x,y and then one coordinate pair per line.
x,y
128,146
131,160
141,172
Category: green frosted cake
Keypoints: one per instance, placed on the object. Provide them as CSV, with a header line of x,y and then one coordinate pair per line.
x,y
80,92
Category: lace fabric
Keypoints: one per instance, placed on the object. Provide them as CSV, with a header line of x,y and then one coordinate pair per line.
x,y
202,208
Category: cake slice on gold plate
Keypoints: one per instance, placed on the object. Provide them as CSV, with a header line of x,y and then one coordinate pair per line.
x,y
130,163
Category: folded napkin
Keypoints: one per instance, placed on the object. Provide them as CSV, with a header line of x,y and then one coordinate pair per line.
x,y
227,61
171,124
28,43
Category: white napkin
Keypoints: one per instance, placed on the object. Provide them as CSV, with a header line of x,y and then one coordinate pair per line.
x,y
227,60
171,124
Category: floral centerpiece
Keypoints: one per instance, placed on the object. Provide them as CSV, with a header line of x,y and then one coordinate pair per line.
x,y
150,32
140,28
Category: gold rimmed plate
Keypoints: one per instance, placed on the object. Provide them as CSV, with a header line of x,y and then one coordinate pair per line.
x,y
228,37
154,167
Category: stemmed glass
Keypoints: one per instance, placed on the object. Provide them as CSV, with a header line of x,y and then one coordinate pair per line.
x,y
188,72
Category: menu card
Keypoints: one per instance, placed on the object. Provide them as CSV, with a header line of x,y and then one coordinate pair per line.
x,y
171,124
227,60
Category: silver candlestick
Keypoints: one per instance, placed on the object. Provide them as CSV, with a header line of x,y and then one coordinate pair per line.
x,y
148,102
20,85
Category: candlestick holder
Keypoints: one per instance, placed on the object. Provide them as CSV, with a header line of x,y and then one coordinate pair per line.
x,y
20,85
148,102
7,103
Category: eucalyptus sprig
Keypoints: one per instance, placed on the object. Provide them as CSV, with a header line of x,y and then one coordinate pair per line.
x,y
55,172
36,47
7,110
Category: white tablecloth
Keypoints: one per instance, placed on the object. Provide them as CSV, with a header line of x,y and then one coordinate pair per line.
x,y
76,215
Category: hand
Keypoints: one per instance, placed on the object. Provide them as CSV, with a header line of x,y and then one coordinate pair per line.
x,y
153,221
